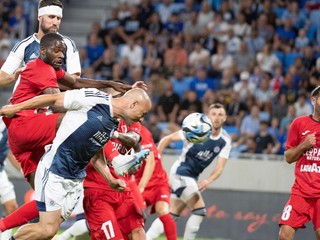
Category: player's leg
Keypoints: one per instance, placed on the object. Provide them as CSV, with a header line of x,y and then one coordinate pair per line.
x,y
169,224
99,211
8,200
80,226
296,213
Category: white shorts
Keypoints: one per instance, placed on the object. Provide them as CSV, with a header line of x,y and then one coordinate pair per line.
x,y
182,187
53,192
6,188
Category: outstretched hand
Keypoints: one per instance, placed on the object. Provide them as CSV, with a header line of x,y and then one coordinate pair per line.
x,y
117,184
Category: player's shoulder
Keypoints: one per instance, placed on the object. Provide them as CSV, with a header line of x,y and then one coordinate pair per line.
x,y
24,43
302,119
225,135
69,42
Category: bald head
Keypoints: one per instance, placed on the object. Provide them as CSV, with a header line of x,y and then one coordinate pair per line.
x,y
132,106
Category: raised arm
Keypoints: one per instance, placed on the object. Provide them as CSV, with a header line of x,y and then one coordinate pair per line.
x,y
55,100
165,141
99,163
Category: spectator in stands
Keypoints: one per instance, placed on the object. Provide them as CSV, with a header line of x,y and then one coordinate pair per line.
x,y
123,10
243,60
315,75
168,105
236,110
301,41
249,146
254,42
199,56
308,59
226,11
294,15
93,49
189,6
220,60
250,10
103,66
205,15
152,58
250,124
280,106
165,10
265,30
18,23
192,27
189,104
132,26
291,114
110,29
241,28
153,127
180,82
263,93
174,25
266,59
244,87
175,56
217,29
286,33
264,141
289,88
201,83
225,85
233,43
5,45
133,52
301,106
154,25
146,10
268,10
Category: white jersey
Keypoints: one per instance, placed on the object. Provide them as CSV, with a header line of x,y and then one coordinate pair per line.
x,y
85,129
196,157
29,49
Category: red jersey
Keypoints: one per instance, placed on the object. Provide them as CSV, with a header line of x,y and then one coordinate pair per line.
x,y
93,178
159,175
307,168
34,79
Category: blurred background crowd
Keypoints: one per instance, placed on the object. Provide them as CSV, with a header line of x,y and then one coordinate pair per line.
x,y
261,59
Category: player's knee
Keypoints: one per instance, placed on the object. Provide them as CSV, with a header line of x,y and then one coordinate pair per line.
x,y
49,232
284,236
200,212
138,234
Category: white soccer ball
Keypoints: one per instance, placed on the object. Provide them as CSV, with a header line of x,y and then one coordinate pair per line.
x,y
197,127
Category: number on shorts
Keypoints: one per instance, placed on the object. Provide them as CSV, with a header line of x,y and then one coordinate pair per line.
x,y
108,229
286,212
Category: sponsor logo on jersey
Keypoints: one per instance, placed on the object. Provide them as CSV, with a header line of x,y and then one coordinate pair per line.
x,y
305,132
100,138
310,168
313,154
33,56
204,155
164,196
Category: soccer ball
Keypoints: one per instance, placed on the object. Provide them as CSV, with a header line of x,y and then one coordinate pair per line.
x,y
197,127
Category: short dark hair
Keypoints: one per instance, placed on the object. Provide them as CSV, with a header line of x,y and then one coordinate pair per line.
x,y
48,39
44,3
217,105
316,92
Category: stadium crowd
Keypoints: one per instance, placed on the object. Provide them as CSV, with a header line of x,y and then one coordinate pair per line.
x,y
259,58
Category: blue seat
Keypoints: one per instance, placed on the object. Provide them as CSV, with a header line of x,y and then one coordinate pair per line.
x,y
231,129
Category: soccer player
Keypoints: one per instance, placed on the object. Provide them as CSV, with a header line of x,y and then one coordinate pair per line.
x,y
185,187
87,126
302,147
153,182
49,17
27,142
7,194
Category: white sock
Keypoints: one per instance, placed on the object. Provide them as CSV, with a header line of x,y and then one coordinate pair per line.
x,y
6,234
77,229
155,230
192,227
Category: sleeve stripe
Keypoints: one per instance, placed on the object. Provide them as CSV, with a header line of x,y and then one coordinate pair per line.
x,y
71,41
14,49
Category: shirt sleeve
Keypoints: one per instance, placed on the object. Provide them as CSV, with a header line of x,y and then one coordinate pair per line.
x,y
73,99
12,63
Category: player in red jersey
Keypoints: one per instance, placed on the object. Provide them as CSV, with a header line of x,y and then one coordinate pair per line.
x,y
153,182
303,147
29,132
110,214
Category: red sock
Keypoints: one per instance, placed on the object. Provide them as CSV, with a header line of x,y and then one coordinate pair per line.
x,y
22,215
170,228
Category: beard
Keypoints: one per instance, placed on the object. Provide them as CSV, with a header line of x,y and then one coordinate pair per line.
x,y
46,30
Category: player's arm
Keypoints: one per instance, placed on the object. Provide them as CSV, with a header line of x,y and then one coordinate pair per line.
x,y
293,154
13,161
99,163
147,172
129,139
7,79
54,100
76,83
165,141
216,173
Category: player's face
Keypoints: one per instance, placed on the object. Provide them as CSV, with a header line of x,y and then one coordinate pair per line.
x,y
217,116
316,105
54,55
49,23
136,112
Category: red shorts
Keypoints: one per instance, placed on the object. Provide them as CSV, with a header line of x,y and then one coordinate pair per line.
x,y
299,210
27,137
156,193
110,214
136,194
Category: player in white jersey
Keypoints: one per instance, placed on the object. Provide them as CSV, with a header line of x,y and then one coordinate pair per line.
x,y
186,188
49,17
86,127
